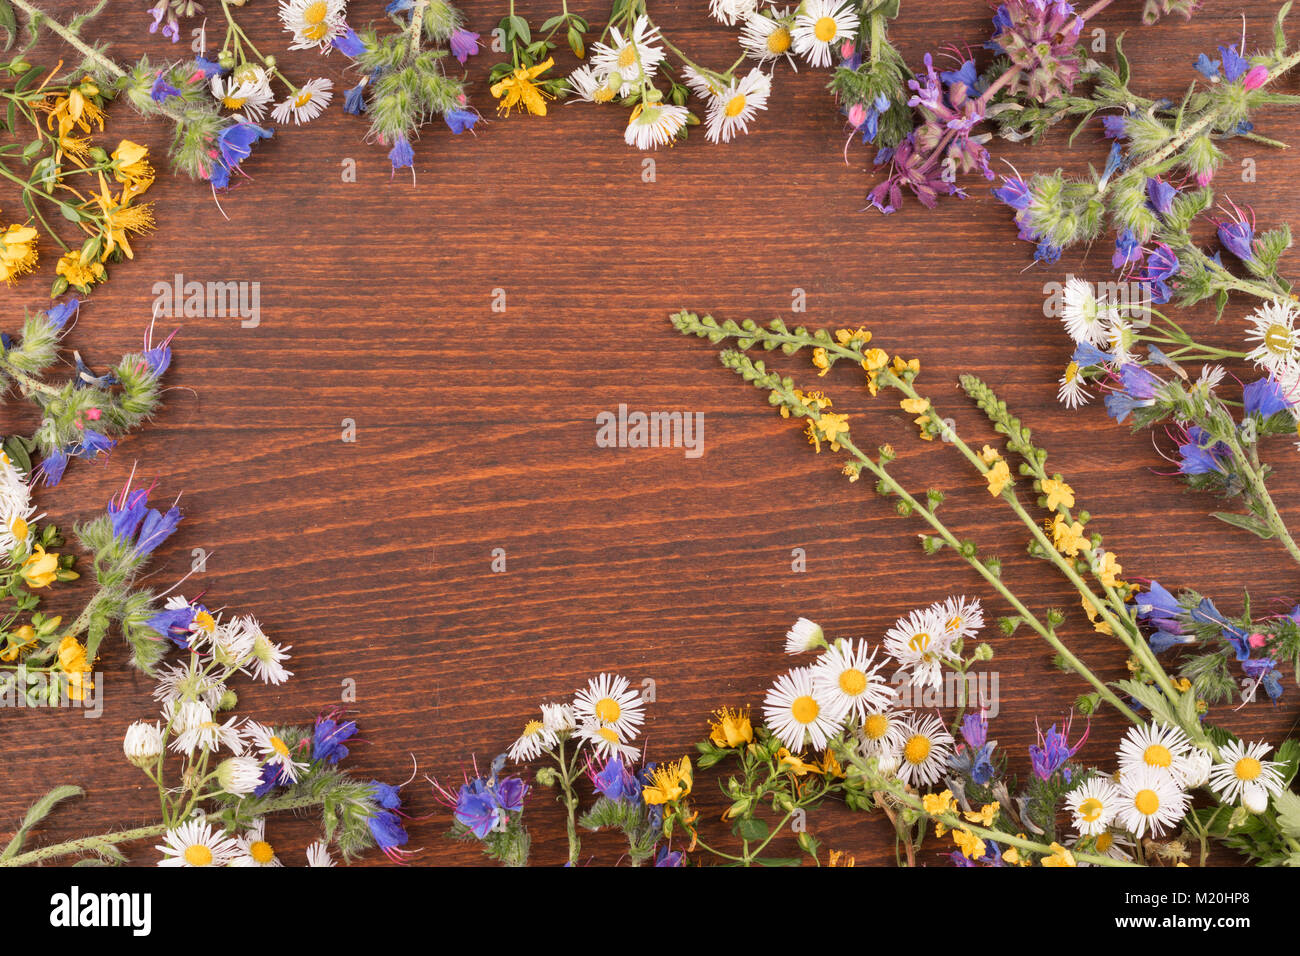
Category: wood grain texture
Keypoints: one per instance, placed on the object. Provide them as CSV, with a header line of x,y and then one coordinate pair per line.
x,y
476,430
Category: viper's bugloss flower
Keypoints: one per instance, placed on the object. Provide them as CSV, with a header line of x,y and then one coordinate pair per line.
x,y
348,43
1237,234
1053,751
615,781
1265,398
234,145
458,120
329,736
354,99
464,44
1040,37
161,90
1202,455
401,155
1160,195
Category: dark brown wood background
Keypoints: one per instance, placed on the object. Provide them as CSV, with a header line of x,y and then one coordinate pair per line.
x,y
475,430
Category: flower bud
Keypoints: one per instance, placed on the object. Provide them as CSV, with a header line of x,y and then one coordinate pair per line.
x,y
143,744
239,775
1254,798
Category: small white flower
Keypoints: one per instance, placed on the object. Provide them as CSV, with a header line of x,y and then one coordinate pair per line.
x,y
178,681
767,38
532,742
1093,806
1085,317
731,12
821,25
318,854
143,743
1155,746
313,23
275,752
195,728
246,90
1196,768
559,718
609,700
591,87
1120,339
920,643
1150,801
963,617
800,714
1242,767
1070,391
605,741
849,676
882,735
732,108
923,757
654,124
195,843
805,635
632,57
268,657
1275,327
239,775
252,848
304,104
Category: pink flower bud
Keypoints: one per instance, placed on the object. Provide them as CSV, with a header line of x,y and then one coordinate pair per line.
x,y
1257,640
1256,78
846,51
1204,179
93,414
857,115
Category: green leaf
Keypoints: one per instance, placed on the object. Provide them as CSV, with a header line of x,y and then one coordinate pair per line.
x,y
1279,34
519,29
1150,697
1121,61
1246,522
9,25
1287,805
38,812
755,831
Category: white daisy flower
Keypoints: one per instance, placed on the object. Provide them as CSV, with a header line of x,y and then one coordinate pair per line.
x,y
318,854
849,676
822,25
731,12
252,848
275,752
604,739
704,86
963,617
1111,843
195,843
313,23
920,644
305,104
1150,801
632,57
1084,316
805,635
177,682
532,742
246,90
1275,326
591,87
559,718
268,657
767,38
609,700
883,733
1161,748
143,743
731,110
927,745
195,728
1093,806
239,775
17,513
1069,388
799,714
1120,339
1242,767
655,124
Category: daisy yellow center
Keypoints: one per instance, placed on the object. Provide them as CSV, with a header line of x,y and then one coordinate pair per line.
x,y
853,682
626,57
198,855
603,95
607,709
532,728
735,105
919,642
1147,802
1157,755
804,709
954,623
261,852
609,734
875,726
234,102
778,41
1278,339
205,622
18,528
917,749
302,99
314,18
1104,842
1247,768
1071,371
1090,809
825,29
279,747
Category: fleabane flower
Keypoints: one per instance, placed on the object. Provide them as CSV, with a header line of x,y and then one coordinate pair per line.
x,y
799,714
195,728
1085,317
239,776
962,617
652,125
610,701
143,743
275,752
589,86
848,675
1160,748
252,848
195,843
559,718
731,12
318,854
1275,328
804,635
634,56
1242,775
305,103
605,740
822,25
313,23
921,645
246,90
1092,806
1150,801
767,38
924,754
268,658
1070,390
732,108
532,742
883,733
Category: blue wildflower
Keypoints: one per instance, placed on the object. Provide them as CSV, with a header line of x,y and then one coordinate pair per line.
x,y
56,316
1127,250
1052,751
1207,67
177,623
401,155
349,44
354,100
329,735
1201,455
234,145
1087,355
1238,237
460,120
161,90
463,44
667,857
1114,127
209,68
55,463
1234,64
1160,195
1265,398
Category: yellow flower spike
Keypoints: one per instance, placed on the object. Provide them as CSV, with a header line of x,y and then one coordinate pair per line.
x,y
732,728
1109,570
1060,857
1068,536
852,471
830,766
938,803
669,782
832,426
845,336
911,365
921,423
820,360
914,406
989,455
998,477
518,90
1093,615
985,815
73,662
17,252
1058,493
40,569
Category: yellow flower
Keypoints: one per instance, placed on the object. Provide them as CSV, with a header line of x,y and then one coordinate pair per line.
x,y
914,406
1068,536
1109,570
921,423
820,360
853,471
1060,857
40,569
985,815
839,858
830,766
989,455
17,252
830,426
80,274
518,90
75,110
72,660
972,847
133,168
669,782
845,336
732,727
872,362
999,476
1011,855
795,764
120,218
19,641
1058,494
912,365
1093,614
937,804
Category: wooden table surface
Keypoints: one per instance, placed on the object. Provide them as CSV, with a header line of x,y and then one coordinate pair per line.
x,y
475,429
